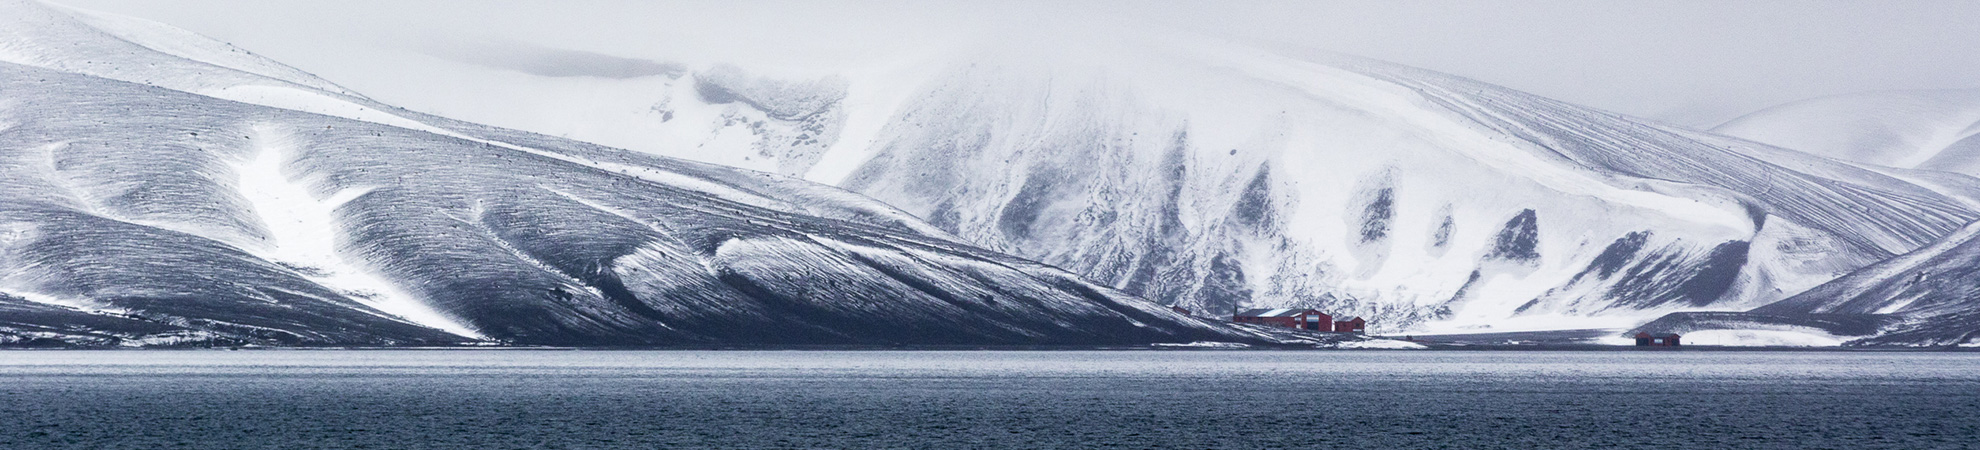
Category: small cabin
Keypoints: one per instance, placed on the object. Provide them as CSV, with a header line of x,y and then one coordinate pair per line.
x,y
1180,310
1304,319
1645,339
1354,325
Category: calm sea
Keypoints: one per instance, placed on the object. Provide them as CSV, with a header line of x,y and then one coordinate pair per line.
x,y
527,399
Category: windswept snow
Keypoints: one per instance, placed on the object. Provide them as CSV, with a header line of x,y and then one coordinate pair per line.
x,y
57,301
1205,344
303,233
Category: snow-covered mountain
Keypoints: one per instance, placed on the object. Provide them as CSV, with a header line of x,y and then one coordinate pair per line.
x,y
1928,129
1216,175
1928,297
157,187
1186,170
1924,297
1936,290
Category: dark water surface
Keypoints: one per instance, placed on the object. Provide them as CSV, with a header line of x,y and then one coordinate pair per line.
x,y
501,399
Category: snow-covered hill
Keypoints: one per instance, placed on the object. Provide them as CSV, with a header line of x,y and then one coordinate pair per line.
x,y
1931,129
158,187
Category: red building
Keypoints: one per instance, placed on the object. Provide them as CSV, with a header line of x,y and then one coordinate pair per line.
x,y
1180,310
1645,339
1305,319
1354,325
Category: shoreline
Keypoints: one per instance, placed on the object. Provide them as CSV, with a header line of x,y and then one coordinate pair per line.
x,y
1037,348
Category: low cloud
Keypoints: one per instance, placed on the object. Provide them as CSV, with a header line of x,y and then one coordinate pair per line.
x,y
553,62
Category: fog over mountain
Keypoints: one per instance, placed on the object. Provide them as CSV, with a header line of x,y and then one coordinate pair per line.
x,y
1921,129
1685,62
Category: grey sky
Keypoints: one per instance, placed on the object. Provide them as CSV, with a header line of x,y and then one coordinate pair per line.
x,y
1689,62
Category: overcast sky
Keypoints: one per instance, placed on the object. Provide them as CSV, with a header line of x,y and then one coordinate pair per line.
x,y
1694,63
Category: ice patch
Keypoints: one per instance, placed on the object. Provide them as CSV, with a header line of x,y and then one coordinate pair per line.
x,y
1616,340
1761,338
1537,322
173,338
1382,344
1204,344
1898,305
78,305
303,233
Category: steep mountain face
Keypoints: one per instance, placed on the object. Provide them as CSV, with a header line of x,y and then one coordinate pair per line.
x,y
157,187
1931,130
1216,177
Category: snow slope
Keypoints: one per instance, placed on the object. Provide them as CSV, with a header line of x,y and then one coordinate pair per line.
x,y
1928,297
1936,290
1930,129
180,194
1926,136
